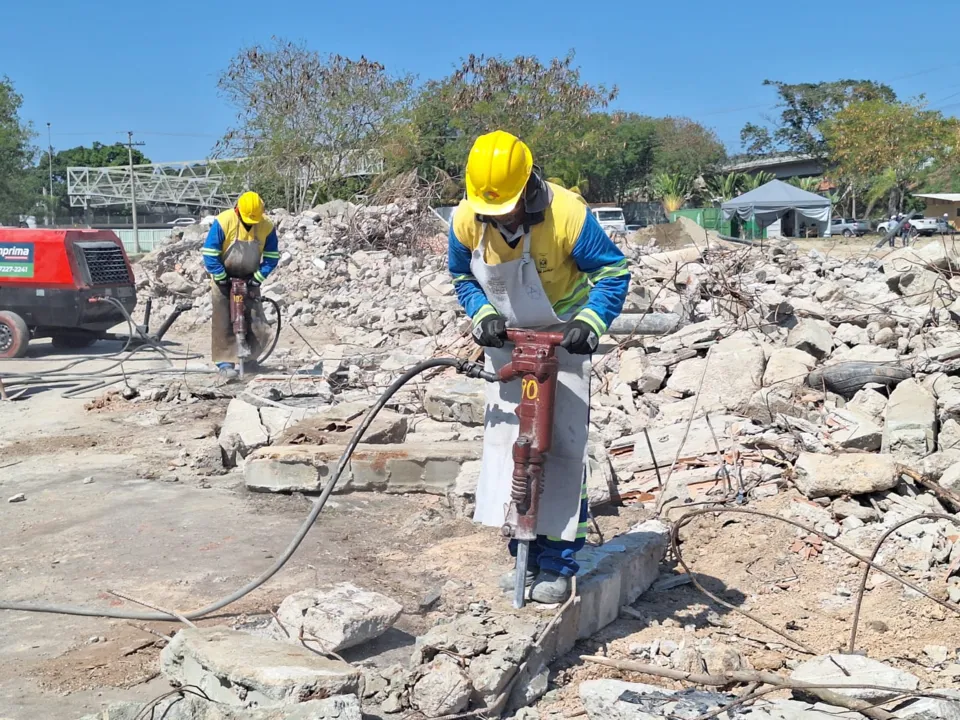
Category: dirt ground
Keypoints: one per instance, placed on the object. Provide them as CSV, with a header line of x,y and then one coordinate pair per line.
x,y
114,504
748,562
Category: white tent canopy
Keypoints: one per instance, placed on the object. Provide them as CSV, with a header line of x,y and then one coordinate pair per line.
x,y
769,203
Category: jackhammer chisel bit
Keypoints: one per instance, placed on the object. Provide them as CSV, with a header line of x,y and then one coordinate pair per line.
x,y
535,363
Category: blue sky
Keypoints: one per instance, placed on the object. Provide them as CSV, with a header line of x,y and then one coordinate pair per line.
x,y
95,70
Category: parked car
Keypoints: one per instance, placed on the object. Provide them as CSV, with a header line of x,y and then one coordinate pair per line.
x,y
610,219
848,227
920,225
182,222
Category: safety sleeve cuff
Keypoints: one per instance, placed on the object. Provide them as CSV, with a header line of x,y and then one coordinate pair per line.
x,y
457,279
485,311
210,252
593,320
259,276
617,269
219,277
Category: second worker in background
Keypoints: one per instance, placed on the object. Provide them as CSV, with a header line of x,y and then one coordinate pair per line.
x,y
242,243
525,253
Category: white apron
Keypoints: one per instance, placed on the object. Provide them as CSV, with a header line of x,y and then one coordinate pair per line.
x,y
515,290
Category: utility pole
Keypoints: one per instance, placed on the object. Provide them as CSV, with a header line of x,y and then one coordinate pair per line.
x,y
53,207
133,191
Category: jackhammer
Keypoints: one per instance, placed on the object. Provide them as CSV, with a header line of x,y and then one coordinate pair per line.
x,y
240,291
534,361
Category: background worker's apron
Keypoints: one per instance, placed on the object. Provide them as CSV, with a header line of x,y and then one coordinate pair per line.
x,y
242,259
515,290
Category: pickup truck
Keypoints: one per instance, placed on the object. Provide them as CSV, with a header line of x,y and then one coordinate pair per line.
x,y
610,218
848,227
923,226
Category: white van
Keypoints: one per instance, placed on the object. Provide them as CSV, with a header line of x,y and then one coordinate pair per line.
x,y
610,219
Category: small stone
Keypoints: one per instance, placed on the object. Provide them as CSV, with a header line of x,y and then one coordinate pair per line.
x,y
831,530
769,660
668,647
19,497
878,626
851,523
885,337
444,689
938,654
88,480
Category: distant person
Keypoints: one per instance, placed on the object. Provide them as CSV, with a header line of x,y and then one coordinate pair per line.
x,y
242,243
890,230
905,232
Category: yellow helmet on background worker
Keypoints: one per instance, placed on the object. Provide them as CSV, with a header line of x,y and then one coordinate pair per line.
x,y
250,207
497,172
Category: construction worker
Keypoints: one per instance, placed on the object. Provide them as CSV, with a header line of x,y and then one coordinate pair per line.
x,y
525,253
242,243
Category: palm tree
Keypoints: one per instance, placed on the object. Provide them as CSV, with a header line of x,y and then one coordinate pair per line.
x,y
672,189
752,182
721,188
810,184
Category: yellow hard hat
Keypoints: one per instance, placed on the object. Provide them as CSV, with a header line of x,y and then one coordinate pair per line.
x,y
497,172
250,207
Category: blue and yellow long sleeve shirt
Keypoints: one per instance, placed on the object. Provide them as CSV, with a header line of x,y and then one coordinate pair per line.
x,y
583,273
226,230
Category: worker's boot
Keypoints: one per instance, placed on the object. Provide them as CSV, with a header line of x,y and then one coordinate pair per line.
x,y
550,588
227,373
508,580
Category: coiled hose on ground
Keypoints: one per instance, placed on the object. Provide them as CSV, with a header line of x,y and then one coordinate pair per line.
x,y
462,366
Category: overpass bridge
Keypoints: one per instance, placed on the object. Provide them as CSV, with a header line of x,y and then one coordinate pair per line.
x,y
200,183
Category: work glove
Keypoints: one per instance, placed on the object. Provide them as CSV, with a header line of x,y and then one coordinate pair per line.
x,y
579,338
224,288
253,290
491,331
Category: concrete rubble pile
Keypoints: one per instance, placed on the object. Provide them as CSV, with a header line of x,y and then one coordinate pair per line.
x,y
362,266
832,382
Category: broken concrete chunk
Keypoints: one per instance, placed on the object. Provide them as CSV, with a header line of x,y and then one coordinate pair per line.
x,y
444,688
242,432
944,706
326,429
842,670
409,467
949,436
454,398
909,432
851,508
854,430
951,478
788,366
811,337
336,619
618,700
850,334
869,402
190,707
235,668
851,474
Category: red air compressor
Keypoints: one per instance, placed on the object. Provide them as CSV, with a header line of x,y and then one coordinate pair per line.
x,y
51,283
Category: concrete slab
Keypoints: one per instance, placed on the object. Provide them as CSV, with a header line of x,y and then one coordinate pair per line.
x,y
235,668
409,467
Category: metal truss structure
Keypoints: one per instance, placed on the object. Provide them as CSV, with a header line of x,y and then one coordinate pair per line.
x,y
201,184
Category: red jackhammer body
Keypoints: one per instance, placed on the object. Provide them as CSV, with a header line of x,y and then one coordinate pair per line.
x,y
238,312
534,362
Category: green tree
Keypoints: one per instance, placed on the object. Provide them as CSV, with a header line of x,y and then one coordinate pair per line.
x,y
686,147
751,181
97,155
546,105
303,120
18,185
804,108
617,156
889,143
